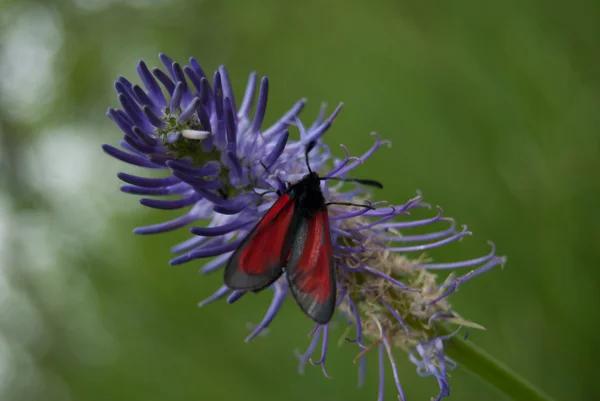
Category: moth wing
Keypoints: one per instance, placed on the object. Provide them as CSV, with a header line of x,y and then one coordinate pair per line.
x,y
259,259
310,269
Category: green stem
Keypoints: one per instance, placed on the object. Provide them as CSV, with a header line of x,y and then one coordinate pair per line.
x,y
490,370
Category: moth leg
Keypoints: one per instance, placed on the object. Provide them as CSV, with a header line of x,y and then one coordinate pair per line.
x,y
368,206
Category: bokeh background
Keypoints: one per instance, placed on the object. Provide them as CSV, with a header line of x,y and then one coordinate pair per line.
x,y
493,109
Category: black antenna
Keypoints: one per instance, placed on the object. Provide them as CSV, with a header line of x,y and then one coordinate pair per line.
x,y
371,183
309,147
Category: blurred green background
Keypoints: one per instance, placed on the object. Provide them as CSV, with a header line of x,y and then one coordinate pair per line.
x,y
493,109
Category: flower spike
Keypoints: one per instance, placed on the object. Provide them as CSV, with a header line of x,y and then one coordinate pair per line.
x,y
216,158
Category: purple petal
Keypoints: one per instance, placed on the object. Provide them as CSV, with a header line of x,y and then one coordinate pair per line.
x,y
234,163
203,117
395,212
197,182
378,143
153,118
324,345
230,129
220,293
362,370
303,134
145,100
147,182
139,146
320,130
132,109
207,95
248,96
397,283
394,368
496,261
278,298
189,111
168,63
170,225
173,137
235,295
412,203
151,85
124,123
164,80
231,209
177,96
304,358
210,169
381,372
343,163
134,150
227,91
454,284
422,237
219,230
414,223
441,358
347,249
458,265
194,78
215,263
160,159
129,158
218,92
218,119
148,139
180,78
190,243
170,204
320,117
277,149
428,351
205,252
243,199
196,67
170,190
396,315
357,323
261,105
286,120
420,248
123,86
340,232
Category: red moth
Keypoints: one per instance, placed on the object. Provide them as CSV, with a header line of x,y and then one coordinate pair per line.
x,y
293,236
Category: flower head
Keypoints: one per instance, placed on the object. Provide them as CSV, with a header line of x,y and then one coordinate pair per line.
x,y
220,161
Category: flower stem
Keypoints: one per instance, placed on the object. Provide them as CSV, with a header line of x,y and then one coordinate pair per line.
x,y
490,370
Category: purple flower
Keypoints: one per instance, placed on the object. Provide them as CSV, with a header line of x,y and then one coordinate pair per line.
x,y
214,153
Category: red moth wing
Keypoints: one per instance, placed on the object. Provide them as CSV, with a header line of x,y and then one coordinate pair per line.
x,y
310,269
259,259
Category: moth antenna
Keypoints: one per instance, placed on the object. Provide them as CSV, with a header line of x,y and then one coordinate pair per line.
x,y
371,183
367,206
309,147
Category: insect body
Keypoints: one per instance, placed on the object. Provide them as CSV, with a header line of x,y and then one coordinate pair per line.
x,y
293,236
